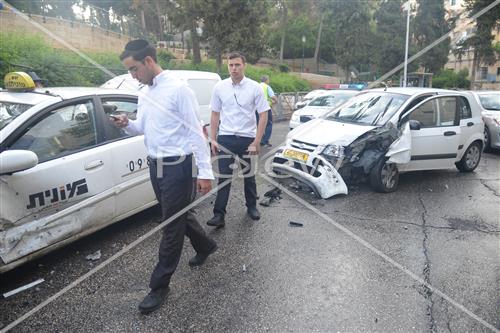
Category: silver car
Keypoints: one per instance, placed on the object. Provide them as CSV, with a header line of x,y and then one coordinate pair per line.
x,y
489,100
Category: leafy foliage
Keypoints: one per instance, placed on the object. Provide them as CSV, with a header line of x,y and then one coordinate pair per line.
x,y
23,52
279,81
448,79
482,40
430,24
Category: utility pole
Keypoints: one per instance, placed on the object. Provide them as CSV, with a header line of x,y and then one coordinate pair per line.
x,y
407,7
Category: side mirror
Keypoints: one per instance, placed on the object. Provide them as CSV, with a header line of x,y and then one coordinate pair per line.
x,y
17,160
415,125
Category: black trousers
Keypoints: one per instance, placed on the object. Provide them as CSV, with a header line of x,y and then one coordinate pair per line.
x,y
173,187
238,146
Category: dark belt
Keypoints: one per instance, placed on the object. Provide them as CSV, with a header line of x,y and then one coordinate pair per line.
x,y
169,159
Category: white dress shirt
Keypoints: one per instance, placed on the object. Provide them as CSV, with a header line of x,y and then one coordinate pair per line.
x,y
237,104
167,115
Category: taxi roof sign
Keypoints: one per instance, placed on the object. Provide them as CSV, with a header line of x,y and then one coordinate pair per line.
x,y
18,81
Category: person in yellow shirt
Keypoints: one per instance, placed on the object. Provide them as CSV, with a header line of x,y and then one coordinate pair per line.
x,y
271,99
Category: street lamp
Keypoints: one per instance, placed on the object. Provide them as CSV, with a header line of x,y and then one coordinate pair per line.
x,y
407,7
303,43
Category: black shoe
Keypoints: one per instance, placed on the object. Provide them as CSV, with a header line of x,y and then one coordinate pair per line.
x,y
253,213
153,300
217,221
200,258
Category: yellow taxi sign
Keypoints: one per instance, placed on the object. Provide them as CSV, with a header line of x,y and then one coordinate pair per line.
x,y
18,81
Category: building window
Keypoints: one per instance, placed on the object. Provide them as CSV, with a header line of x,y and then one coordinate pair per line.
x,y
453,2
483,73
498,71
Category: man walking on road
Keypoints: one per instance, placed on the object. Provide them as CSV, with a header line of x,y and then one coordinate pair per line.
x,y
167,116
234,102
271,99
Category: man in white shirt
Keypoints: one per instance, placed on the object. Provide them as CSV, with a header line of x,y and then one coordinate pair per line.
x,y
234,102
167,116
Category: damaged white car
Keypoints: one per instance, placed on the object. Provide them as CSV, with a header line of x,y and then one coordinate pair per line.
x,y
65,169
381,132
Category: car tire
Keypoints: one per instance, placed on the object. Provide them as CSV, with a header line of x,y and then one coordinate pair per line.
x,y
384,176
487,140
471,158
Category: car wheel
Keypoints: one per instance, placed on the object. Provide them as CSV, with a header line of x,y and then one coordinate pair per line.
x,y
487,140
384,177
471,158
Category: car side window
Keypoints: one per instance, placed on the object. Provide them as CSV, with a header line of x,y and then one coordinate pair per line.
x,y
61,132
115,106
425,114
438,112
465,111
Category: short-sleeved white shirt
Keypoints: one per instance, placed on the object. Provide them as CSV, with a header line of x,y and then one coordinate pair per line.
x,y
237,104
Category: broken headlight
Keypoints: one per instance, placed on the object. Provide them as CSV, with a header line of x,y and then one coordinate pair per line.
x,y
333,151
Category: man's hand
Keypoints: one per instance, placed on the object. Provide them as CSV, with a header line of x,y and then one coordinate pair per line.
x,y
204,185
119,120
214,146
254,148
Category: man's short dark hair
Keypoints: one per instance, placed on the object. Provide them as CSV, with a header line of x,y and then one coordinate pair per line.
x,y
236,54
138,49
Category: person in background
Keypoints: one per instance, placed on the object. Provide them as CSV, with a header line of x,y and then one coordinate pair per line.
x,y
271,99
234,102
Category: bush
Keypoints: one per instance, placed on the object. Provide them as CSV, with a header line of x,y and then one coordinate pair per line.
x,y
448,79
284,68
164,57
23,52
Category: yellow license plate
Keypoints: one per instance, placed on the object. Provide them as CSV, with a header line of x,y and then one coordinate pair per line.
x,y
296,155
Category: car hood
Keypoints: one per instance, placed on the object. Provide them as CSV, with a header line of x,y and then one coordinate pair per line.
x,y
323,132
313,110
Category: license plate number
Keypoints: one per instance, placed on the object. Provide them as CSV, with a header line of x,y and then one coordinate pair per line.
x,y
296,155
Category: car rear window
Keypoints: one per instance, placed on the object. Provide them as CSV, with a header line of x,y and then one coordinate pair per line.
x,y
490,102
9,111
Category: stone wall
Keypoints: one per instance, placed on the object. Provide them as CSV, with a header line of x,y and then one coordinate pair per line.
x,y
81,36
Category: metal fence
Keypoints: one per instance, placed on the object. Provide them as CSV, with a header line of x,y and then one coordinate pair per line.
x,y
286,104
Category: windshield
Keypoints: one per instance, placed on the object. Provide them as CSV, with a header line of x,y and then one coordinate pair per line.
x,y
490,102
374,108
9,111
330,100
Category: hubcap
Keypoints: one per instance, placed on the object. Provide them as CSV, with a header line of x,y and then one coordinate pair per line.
x,y
389,172
472,157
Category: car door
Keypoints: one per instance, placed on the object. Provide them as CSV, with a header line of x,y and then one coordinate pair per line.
x,y
67,192
130,175
435,139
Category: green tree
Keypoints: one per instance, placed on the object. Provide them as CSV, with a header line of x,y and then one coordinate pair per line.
x,y
234,25
353,35
483,40
52,8
430,24
390,35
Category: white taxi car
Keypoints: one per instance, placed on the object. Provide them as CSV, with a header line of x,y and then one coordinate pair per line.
x,y
381,132
65,169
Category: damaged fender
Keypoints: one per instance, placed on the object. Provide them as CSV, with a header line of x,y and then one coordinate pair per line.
x,y
400,150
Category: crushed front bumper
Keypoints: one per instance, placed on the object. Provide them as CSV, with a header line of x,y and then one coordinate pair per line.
x,y
315,171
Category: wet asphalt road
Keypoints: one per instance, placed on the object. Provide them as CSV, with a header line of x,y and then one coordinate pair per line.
x,y
443,226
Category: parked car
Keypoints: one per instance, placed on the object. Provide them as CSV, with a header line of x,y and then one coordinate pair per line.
x,y
65,169
489,100
381,132
320,105
309,97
